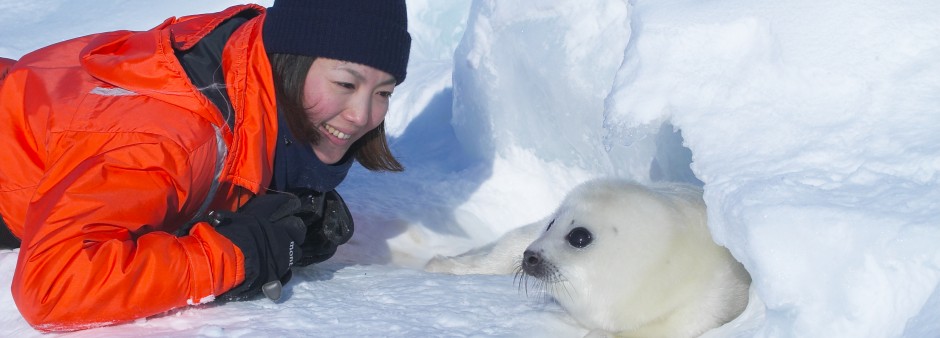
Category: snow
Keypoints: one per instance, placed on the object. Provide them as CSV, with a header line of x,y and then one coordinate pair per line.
x,y
813,127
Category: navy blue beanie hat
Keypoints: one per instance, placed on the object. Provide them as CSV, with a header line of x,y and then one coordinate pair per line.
x,y
369,32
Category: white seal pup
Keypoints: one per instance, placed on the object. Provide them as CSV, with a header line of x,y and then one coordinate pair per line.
x,y
623,259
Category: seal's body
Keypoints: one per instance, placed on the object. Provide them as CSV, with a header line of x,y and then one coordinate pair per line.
x,y
625,259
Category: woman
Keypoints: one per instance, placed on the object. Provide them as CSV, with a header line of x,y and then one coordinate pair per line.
x,y
144,171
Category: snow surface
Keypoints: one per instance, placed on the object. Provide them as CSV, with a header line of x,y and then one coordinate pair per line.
x,y
813,127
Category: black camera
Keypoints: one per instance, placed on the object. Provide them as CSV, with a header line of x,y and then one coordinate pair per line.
x,y
329,224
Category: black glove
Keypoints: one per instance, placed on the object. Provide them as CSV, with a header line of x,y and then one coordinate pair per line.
x,y
270,236
329,224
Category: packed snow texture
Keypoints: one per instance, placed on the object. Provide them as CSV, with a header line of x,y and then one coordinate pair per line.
x,y
813,127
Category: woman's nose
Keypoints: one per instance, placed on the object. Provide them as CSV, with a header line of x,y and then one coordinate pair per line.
x,y
358,111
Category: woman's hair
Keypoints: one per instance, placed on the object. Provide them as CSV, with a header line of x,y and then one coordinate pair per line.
x,y
290,74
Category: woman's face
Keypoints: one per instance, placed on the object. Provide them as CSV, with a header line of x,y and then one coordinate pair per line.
x,y
344,101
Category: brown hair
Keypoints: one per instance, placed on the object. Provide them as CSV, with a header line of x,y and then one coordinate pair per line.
x,y
290,73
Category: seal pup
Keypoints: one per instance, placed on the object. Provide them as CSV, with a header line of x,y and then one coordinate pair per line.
x,y
623,259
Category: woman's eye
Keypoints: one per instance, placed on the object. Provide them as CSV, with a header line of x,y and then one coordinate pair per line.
x,y
346,85
385,94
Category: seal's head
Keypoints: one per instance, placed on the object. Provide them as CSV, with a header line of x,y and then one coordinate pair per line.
x,y
618,255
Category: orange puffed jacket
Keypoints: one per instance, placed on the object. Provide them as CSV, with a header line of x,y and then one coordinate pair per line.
x,y
108,150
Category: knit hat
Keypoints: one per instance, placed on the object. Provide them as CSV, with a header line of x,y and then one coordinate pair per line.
x,y
368,32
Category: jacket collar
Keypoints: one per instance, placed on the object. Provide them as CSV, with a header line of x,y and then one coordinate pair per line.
x,y
251,156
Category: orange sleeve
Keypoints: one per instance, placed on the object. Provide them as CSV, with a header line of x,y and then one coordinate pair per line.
x,y
96,244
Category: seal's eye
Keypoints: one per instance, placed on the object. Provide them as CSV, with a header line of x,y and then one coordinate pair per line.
x,y
550,225
579,237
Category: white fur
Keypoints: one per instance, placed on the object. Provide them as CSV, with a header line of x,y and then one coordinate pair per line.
x,y
652,269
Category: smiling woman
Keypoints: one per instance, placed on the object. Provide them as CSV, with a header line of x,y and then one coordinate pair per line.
x,y
341,102
345,100
214,162
309,94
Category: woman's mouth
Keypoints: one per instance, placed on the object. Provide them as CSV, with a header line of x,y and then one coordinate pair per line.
x,y
338,134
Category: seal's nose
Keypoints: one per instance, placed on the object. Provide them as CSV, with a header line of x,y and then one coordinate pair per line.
x,y
532,263
531,259
535,265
